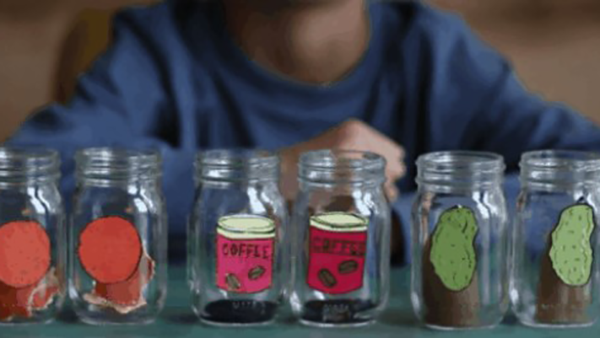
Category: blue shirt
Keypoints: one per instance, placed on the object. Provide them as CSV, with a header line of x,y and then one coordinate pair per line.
x,y
174,79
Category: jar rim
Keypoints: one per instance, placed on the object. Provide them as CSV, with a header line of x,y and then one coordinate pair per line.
x,y
117,164
571,160
234,157
460,168
342,159
463,159
131,156
236,165
29,162
341,166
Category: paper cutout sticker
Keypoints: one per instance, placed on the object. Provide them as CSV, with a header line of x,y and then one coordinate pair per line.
x,y
338,243
452,250
24,253
571,252
245,249
110,249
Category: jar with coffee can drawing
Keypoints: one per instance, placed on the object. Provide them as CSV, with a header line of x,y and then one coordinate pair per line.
x,y
237,257
341,240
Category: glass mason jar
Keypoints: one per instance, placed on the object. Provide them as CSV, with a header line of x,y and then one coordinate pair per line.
x,y
33,258
459,273
341,239
237,257
118,237
555,275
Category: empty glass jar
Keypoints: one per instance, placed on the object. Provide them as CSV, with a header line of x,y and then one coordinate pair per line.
x,y
33,237
238,259
118,237
341,239
555,280
459,276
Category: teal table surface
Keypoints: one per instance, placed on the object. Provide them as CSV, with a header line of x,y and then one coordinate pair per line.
x,y
177,320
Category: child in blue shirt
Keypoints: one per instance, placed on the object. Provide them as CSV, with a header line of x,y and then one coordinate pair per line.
x,y
397,78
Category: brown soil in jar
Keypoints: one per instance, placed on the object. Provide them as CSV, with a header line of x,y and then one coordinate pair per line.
x,y
444,307
557,302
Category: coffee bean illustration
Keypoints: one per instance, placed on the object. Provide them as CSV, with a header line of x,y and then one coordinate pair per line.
x,y
233,283
256,272
347,267
327,278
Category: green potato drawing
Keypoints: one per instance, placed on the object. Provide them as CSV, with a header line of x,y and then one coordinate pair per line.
x,y
452,252
571,252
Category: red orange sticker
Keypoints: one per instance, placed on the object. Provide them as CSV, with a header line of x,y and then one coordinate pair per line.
x,y
24,253
245,250
110,249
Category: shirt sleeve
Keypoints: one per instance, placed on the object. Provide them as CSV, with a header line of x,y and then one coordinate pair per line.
x,y
477,102
473,100
120,102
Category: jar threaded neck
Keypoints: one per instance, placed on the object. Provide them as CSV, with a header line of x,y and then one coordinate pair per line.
x,y
337,166
113,164
28,164
556,167
236,166
460,168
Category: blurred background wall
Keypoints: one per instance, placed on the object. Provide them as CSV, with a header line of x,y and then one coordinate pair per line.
x,y
44,44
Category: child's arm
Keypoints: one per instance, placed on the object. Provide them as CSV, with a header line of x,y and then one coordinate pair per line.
x,y
475,100
120,102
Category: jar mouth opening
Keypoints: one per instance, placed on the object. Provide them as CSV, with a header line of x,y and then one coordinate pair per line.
x,y
325,159
24,162
561,160
236,158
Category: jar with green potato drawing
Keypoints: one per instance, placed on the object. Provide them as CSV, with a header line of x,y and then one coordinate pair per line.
x,y
553,282
459,274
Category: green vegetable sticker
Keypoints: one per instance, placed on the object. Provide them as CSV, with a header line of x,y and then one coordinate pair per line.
x,y
571,252
452,251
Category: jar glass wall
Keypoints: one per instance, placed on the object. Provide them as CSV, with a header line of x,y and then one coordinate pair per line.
x,y
459,273
33,257
238,259
555,280
118,237
341,239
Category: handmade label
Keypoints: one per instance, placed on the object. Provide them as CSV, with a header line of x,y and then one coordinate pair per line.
x,y
571,252
337,245
28,282
452,251
245,250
